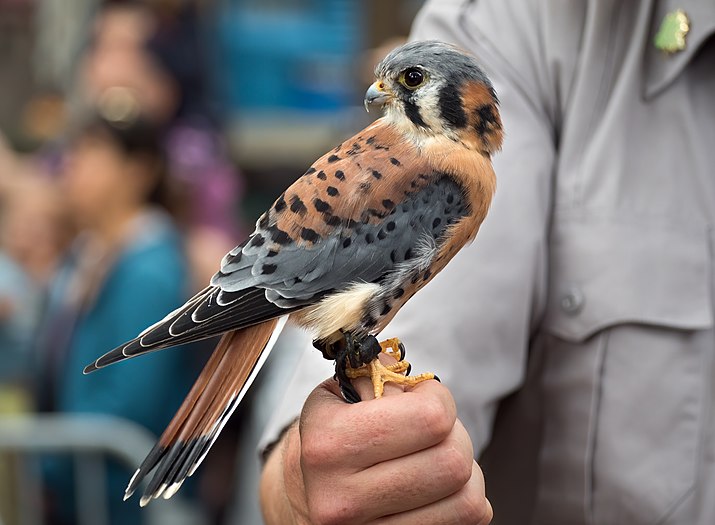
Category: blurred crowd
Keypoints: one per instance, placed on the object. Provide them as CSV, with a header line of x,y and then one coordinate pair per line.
x,y
112,222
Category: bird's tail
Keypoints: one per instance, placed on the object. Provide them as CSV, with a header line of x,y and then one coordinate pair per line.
x,y
217,392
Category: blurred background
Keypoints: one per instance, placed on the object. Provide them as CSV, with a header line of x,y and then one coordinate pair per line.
x,y
139,141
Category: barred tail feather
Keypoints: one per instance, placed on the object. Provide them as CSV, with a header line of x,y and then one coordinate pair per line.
x,y
219,389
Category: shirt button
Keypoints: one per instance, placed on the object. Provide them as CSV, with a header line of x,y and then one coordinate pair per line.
x,y
572,301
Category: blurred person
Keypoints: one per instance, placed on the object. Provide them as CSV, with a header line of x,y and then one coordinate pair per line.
x,y
577,336
34,232
154,56
115,182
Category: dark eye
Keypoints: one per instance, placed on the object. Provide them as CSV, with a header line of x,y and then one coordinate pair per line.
x,y
413,78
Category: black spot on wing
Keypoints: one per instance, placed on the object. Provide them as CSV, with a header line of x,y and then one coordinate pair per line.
x,y
297,206
309,235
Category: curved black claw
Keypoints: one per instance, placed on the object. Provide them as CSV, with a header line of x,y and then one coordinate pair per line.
x,y
403,352
350,394
409,369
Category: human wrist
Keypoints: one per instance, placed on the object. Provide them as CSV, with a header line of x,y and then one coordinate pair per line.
x,y
275,499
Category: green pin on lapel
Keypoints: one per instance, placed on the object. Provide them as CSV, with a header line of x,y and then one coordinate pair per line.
x,y
673,30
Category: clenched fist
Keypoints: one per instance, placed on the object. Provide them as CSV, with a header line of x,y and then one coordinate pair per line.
x,y
404,458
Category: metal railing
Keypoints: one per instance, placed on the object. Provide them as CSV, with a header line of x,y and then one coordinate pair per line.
x,y
89,440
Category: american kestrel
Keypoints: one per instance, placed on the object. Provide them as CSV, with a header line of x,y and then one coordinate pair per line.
x,y
341,250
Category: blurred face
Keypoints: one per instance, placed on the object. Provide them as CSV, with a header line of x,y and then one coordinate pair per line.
x,y
98,180
34,229
118,60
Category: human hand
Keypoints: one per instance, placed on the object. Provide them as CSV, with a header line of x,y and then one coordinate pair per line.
x,y
404,458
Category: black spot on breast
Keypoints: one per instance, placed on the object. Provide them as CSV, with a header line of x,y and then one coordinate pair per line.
x,y
347,242
272,253
257,240
333,158
321,206
450,198
450,107
268,269
376,174
364,187
393,256
408,254
381,234
415,278
371,140
321,175
297,205
340,175
387,203
310,170
395,161
333,191
398,293
369,238
309,235
280,204
354,149
390,226
436,222
427,275
386,309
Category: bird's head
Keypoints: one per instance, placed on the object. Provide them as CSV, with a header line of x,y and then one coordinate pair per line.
x,y
431,88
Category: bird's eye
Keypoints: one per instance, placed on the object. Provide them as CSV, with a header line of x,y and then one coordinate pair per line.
x,y
412,78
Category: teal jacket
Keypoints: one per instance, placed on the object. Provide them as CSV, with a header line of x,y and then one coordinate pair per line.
x,y
146,281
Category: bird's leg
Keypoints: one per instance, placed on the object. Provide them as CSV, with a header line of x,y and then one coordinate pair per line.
x,y
380,374
346,353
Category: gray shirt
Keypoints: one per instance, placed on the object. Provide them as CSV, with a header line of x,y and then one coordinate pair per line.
x,y
576,333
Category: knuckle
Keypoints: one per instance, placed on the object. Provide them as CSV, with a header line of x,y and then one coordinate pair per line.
x,y
455,467
437,420
474,508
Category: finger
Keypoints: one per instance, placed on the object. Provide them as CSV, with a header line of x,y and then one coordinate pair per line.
x,y
467,506
354,437
415,480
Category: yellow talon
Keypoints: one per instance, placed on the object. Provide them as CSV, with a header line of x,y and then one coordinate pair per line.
x,y
380,374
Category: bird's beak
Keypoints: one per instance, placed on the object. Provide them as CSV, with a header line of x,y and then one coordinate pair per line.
x,y
377,95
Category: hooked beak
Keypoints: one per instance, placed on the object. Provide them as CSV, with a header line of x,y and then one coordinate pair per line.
x,y
376,95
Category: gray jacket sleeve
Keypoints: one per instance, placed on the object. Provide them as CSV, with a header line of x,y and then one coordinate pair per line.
x,y
472,324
